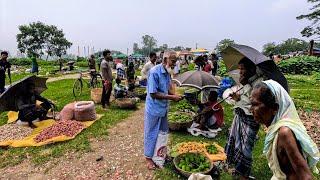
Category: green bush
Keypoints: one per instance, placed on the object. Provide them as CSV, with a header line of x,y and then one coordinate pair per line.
x,y
191,67
222,70
82,64
300,65
20,61
28,62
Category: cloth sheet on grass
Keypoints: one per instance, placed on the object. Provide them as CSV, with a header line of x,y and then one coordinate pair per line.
x,y
29,140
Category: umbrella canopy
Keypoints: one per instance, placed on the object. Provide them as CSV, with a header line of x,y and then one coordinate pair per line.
x,y
137,55
200,50
184,52
7,100
197,79
234,53
119,56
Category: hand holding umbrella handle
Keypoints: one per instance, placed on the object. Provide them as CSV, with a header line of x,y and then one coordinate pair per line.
x,y
222,100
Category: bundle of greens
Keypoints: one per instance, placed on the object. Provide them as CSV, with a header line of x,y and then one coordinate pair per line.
x,y
193,162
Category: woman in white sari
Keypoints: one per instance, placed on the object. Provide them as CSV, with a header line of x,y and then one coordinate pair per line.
x,y
290,151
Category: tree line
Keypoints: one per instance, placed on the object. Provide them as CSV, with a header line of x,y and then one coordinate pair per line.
x,y
37,39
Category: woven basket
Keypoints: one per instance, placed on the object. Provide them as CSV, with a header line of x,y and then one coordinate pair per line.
x,y
179,126
126,103
96,94
176,161
174,126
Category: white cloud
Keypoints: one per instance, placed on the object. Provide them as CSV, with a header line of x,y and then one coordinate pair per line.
x,y
287,5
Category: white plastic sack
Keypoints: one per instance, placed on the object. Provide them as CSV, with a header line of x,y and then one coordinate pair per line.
x,y
160,151
199,176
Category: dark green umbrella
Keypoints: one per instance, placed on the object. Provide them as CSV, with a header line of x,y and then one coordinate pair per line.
x,y
119,56
197,79
137,55
7,98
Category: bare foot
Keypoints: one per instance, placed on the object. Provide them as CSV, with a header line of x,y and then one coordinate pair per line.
x,y
150,164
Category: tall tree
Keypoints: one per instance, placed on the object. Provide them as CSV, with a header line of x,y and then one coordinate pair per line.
x,y
270,48
31,38
38,38
178,48
223,44
293,45
287,46
314,16
135,48
149,43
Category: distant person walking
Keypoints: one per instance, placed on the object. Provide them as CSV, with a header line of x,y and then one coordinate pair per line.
x,y
92,63
147,67
4,65
106,73
177,68
131,76
35,67
214,58
120,70
160,59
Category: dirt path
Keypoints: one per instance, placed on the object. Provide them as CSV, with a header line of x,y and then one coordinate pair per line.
x,y
122,154
68,76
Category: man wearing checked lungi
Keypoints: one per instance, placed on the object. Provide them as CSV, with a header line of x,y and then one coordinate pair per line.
x,y
156,109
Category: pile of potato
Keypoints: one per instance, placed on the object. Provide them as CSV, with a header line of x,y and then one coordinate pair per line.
x,y
64,127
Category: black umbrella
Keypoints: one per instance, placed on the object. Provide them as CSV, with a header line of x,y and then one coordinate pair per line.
x,y
7,98
234,53
197,79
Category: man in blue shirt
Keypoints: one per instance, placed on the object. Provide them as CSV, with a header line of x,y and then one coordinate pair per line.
x,y
158,94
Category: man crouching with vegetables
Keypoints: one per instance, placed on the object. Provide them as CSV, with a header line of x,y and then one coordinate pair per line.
x,y
210,114
158,94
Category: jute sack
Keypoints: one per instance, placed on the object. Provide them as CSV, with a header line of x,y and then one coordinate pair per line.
x,y
96,94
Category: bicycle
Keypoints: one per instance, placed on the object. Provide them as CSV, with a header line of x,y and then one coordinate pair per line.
x,y
94,82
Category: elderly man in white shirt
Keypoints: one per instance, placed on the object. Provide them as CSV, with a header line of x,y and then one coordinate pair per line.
x,y
150,64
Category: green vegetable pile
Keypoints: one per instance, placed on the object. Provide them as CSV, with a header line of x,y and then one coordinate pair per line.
x,y
181,105
184,105
140,91
192,162
179,117
212,149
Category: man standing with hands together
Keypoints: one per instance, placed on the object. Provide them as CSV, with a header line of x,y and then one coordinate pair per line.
x,y
157,101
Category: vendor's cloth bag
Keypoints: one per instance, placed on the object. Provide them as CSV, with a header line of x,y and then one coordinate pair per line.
x,y
67,113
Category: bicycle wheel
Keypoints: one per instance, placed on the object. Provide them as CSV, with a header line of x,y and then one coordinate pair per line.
x,y
77,88
97,81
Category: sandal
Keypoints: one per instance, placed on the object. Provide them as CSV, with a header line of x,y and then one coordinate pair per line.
x,y
150,165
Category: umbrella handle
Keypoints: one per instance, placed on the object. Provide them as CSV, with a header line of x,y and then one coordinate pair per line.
x,y
221,101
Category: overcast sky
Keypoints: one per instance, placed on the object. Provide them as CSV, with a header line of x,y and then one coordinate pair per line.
x,y
118,24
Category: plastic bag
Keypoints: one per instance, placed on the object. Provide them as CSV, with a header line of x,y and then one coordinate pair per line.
x,y
85,111
225,84
67,113
199,176
160,151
